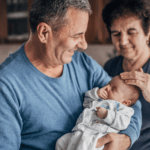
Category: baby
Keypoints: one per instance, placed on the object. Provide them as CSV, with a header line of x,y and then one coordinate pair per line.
x,y
106,110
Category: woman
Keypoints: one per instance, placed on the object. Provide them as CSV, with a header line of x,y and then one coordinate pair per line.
x,y
128,23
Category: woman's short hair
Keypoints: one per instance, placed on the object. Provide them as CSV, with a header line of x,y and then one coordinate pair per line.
x,y
53,12
121,8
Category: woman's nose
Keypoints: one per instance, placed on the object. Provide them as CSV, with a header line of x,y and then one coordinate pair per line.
x,y
123,39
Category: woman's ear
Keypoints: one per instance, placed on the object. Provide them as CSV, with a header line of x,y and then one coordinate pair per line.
x,y
43,31
148,39
126,102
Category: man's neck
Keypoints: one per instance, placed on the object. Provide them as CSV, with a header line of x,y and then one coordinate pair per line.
x,y
39,61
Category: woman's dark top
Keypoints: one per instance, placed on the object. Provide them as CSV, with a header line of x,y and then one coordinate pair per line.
x,y
114,67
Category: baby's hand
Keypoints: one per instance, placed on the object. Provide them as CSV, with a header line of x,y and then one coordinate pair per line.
x,y
102,93
101,112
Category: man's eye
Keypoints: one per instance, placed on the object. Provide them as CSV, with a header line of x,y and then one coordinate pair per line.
x,y
75,37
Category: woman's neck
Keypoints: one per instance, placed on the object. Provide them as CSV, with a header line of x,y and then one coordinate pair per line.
x,y
134,64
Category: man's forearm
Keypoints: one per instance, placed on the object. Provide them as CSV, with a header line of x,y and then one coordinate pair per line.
x,y
126,140
133,130
114,141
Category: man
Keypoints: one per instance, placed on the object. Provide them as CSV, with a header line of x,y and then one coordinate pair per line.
x,y
42,84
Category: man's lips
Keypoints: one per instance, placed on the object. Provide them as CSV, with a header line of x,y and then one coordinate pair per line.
x,y
72,51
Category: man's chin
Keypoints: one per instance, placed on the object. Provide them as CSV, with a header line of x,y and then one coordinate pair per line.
x,y
67,60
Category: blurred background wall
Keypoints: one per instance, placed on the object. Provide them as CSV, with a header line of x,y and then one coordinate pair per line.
x,y
14,29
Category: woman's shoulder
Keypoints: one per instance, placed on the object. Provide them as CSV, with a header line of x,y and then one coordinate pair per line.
x,y
114,61
114,65
146,67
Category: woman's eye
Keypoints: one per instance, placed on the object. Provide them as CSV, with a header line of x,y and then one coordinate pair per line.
x,y
132,32
116,34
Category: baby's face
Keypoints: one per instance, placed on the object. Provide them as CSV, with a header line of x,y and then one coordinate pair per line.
x,y
115,89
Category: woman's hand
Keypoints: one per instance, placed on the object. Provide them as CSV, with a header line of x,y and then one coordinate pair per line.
x,y
140,79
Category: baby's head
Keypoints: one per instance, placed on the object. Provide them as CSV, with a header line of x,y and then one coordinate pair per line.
x,y
124,93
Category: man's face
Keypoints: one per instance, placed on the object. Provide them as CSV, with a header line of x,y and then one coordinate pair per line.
x,y
116,88
69,38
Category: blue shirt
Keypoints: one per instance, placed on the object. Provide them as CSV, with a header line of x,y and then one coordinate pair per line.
x,y
35,110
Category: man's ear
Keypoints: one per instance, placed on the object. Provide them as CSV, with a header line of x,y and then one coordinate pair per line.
x,y
126,102
43,31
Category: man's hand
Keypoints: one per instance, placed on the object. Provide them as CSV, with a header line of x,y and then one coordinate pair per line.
x,y
101,112
114,141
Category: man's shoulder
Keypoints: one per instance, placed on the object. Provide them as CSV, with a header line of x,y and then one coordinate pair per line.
x,y
81,55
85,61
11,64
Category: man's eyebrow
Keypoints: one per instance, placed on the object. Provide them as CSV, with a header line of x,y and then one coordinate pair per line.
x,y
78,34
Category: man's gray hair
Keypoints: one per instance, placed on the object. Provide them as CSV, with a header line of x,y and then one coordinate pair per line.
x,y
53,12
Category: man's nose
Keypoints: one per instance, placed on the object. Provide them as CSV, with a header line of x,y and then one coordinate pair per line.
x,y
123,39
82,43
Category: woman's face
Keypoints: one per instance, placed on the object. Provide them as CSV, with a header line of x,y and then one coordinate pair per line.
x,y
129,38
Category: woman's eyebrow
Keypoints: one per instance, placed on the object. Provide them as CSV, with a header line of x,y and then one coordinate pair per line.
x,y
131,29
114,31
